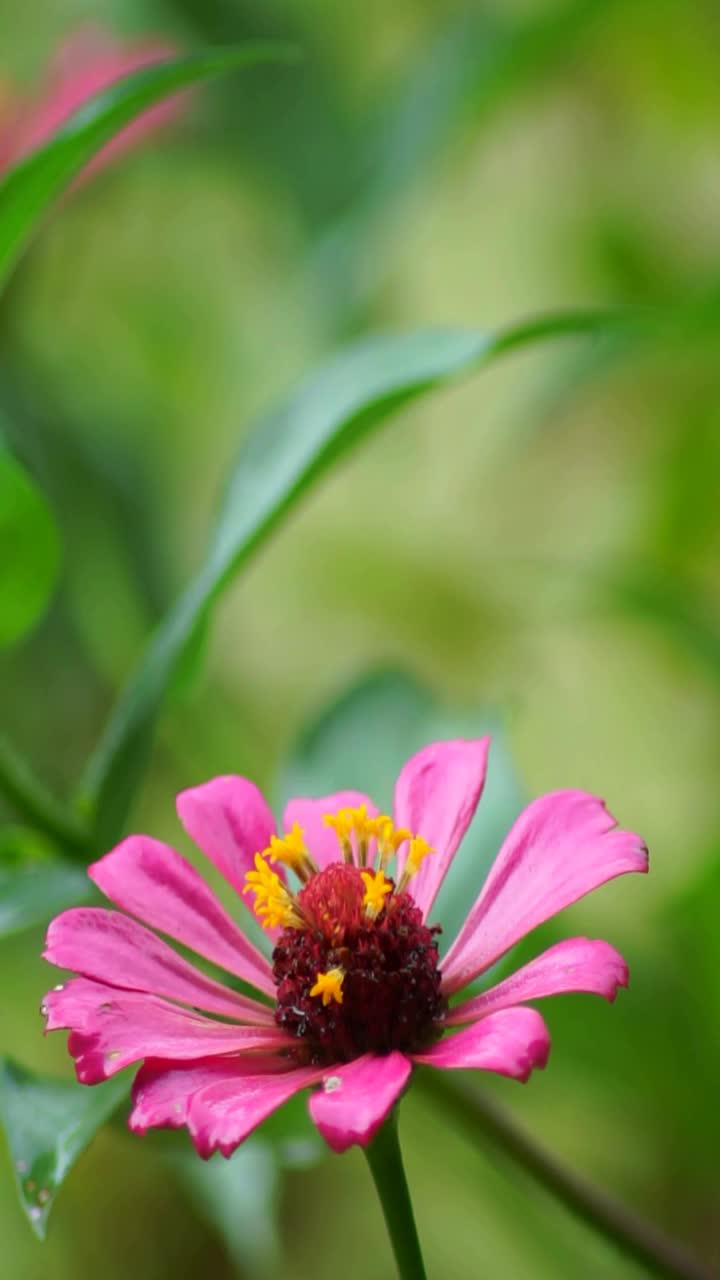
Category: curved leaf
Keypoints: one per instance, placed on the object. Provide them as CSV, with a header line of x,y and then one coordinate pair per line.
x,y
281,457
49,1123
30,551
29,188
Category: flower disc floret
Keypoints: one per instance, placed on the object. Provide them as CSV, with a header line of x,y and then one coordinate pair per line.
x,y
390,987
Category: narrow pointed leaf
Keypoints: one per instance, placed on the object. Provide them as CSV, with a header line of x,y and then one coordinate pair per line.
x,y
29,550
282,456
30,187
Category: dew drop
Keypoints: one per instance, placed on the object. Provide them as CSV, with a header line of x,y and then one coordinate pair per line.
x,y
35,1213
43,1195
60,987
30,1186
44,1009
331,1084
113,1055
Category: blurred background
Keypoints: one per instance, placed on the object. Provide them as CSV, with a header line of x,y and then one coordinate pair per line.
x,y
541,540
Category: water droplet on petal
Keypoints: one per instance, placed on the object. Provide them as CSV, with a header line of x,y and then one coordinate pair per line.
x,y
60,987
331,1084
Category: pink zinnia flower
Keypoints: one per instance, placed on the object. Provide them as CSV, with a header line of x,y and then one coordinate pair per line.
x,y
88,61
357,990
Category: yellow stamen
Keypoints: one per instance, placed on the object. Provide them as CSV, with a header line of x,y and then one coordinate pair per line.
x,y
352,822
418,850
389,838
274,904
376,890
362,825
292,852
341,824
329,986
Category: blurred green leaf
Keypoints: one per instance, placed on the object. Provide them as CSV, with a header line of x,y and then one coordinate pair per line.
x,y
29,188
29,796
30,550
49,1123
30,894
283,455
240,1198
363,740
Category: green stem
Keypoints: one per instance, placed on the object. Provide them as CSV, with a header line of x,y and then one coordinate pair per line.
x,y
30,798
385,1160
478,1114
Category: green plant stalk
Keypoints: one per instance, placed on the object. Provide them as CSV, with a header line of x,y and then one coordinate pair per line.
x,y
385,1159
35,803
479,1116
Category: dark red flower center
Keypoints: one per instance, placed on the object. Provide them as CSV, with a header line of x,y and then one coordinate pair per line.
x,y
388,990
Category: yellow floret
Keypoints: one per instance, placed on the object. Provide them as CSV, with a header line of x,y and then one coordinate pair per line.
x,y
329,986
388,836
376,890
274,904
291,850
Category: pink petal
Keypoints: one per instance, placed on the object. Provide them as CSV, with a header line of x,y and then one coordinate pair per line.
x,y
577,964
356,1098
436,796
512,1042
151,881
162,1090
321,842
112,948
111,1028
222,1115
229,819
562,846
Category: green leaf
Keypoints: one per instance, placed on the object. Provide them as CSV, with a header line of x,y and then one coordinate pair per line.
x,y
49,1123
30,550
240,1197
29,188
283,455
363,740
31,894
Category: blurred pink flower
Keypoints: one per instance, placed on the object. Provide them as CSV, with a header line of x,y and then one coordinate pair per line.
x,y
88,61
356,991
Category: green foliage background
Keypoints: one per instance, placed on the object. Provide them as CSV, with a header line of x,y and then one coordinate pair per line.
x,y
541,539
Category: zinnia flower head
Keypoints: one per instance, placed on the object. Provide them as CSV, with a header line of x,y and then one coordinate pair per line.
x,y
89,60
357,990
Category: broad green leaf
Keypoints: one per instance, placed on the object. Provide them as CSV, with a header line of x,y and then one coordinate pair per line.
x,y
48,1124
240,1198
29,554
282,456
31,894
29,188
363,740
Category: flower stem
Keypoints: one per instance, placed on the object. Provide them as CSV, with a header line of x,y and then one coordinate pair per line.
x,y
479,1114
385,1160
